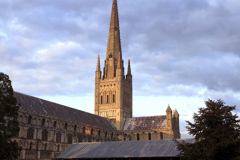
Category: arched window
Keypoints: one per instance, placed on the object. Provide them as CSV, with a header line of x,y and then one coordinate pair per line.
x,y
45,146
114,98
69,139
44,135
84,130
107,98
65,125
99,132
105,134
15,117
55,124
161,135
30,146
110,55
111,135
75,128
58,138
30,133
79,138
149,136
43,122
138,138
58,148
91,131
101,99
29,119
113,113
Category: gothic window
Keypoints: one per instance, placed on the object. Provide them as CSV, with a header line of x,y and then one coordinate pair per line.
x,y
45,147
101,99
111,135
15,117
138,138
29,119
114,98
43,122
149,136
30,132
99,132
79,138
89,139
83,129
55,124
75,128
69,139
65,125
58,148
107,98
30,146
91,131
58,138
44,135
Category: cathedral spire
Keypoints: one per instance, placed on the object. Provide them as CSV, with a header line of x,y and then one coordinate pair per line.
x,y
129,68
114,42
98,64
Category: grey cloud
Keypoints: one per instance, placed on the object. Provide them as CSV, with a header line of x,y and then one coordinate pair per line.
x,y
176,48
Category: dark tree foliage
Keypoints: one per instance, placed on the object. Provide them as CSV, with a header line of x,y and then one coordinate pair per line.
x,y
216,130
8,126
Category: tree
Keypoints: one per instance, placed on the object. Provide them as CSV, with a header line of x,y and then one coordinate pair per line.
x,y
8,124
216,130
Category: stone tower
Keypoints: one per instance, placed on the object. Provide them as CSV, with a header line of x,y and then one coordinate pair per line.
x,y
113,90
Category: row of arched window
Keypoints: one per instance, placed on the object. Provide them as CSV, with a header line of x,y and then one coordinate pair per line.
x,y
107,99
150,136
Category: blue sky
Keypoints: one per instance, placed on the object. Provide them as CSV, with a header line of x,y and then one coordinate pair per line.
x,y
182,51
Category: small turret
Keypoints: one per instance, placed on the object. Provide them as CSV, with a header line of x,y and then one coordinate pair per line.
x,y
98,64
169,117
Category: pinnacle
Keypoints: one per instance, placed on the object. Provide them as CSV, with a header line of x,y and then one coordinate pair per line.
x,y
129,68
98,64
169,109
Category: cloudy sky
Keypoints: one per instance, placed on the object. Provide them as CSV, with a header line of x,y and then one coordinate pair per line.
x,y
182,51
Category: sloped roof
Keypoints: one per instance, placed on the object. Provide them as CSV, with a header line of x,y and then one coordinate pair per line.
x,y
145,123
152,148
38,105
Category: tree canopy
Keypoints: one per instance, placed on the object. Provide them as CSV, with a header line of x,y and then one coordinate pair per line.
x,y
216,130
8,123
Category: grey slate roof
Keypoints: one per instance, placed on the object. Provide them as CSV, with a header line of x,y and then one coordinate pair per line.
x,y
38,105
152,148
145,123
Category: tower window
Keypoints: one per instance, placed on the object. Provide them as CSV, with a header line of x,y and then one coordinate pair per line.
x,y
101,99
107,98
114,98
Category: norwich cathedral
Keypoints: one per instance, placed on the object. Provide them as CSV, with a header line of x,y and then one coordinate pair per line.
x,y
47,128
